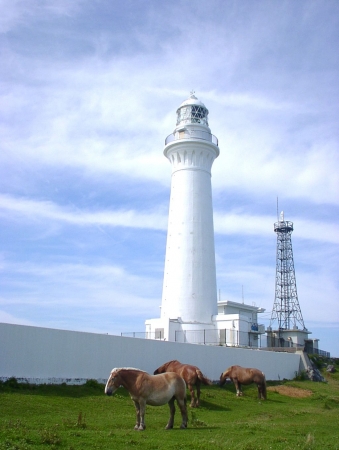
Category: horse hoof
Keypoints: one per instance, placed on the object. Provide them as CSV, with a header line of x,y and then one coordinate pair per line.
x,y
168,427
182,426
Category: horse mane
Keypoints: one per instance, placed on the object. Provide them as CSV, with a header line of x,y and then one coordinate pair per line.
x,y
166,364
117,369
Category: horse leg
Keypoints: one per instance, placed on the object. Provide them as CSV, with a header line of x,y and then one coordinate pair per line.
x,y
262,391
172,412
237,386
197,403
183,409
142,425
137,410
190,387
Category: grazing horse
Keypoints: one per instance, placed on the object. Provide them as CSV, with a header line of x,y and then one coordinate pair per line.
x,y
242,375
191,374
151,390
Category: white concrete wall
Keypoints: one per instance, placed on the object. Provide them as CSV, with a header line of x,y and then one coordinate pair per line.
x,y
43,355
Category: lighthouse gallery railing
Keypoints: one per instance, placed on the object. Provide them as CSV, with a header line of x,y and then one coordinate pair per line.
x,y
192,134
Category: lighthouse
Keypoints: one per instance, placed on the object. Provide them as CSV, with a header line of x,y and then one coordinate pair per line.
x,y
189,298
190,310
189,289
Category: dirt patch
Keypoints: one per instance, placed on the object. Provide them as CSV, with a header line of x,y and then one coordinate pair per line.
x,y
291,391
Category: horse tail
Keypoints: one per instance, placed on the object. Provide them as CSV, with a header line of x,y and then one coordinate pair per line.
x,y
202,378
264,392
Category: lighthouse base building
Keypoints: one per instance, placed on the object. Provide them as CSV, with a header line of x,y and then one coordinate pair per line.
x,y
190,311
235,325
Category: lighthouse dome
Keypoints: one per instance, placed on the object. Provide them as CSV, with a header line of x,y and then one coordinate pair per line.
x,y
192,111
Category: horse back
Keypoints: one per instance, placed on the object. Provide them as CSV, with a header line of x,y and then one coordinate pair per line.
x,y
169,366
174,366
258,376
161,388
188,372
247,375
244,375
232,372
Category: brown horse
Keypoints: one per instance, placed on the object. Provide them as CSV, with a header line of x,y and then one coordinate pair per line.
x,y
191,374
242,375
151,390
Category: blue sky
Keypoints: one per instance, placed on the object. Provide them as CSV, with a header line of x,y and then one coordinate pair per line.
x,y
89,91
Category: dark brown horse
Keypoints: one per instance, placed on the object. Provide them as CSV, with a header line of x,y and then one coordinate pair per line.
x,y
151,390
242,375
191,374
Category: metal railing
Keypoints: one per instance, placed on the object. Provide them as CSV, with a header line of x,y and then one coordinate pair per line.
x,y
229,338
157,335
192,134
317,351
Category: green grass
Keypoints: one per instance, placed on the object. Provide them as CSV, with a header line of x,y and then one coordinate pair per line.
x,y
82,417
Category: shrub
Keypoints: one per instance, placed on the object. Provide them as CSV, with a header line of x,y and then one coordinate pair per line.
x,y
92,384
301,376
12,383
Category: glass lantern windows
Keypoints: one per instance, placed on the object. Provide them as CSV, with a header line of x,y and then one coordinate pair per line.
x,y
198,113
192,114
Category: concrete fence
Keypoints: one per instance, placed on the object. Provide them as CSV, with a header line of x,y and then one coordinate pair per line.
x,y
44,355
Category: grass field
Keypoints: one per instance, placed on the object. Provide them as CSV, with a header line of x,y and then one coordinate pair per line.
x,y
296,415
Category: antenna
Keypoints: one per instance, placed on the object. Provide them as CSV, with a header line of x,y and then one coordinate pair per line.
x,y
277,208
286,309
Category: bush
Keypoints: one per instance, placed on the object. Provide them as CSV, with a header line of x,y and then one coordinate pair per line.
x,y
92,384
317,360
12,383
301,376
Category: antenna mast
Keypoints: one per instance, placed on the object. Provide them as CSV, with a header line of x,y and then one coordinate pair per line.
x,y
286,310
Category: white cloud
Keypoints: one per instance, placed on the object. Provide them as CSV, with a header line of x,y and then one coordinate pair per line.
x,y
34,210
243,224
89,94
224,223
17,13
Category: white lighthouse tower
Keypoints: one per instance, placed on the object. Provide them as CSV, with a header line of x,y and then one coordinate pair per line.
x,y
189,299
190,311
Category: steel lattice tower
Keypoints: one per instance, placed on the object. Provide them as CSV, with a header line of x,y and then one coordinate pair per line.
x,y
286,309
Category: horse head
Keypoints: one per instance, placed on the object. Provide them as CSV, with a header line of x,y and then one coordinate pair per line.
x,y
113,382
223,377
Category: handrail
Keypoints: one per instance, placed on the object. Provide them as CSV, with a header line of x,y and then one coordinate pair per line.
x,y
192,134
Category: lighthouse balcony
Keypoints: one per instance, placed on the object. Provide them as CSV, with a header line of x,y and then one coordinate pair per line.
x,y
192,134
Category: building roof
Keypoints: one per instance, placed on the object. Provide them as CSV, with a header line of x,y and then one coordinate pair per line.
x,y
241,306
192,100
